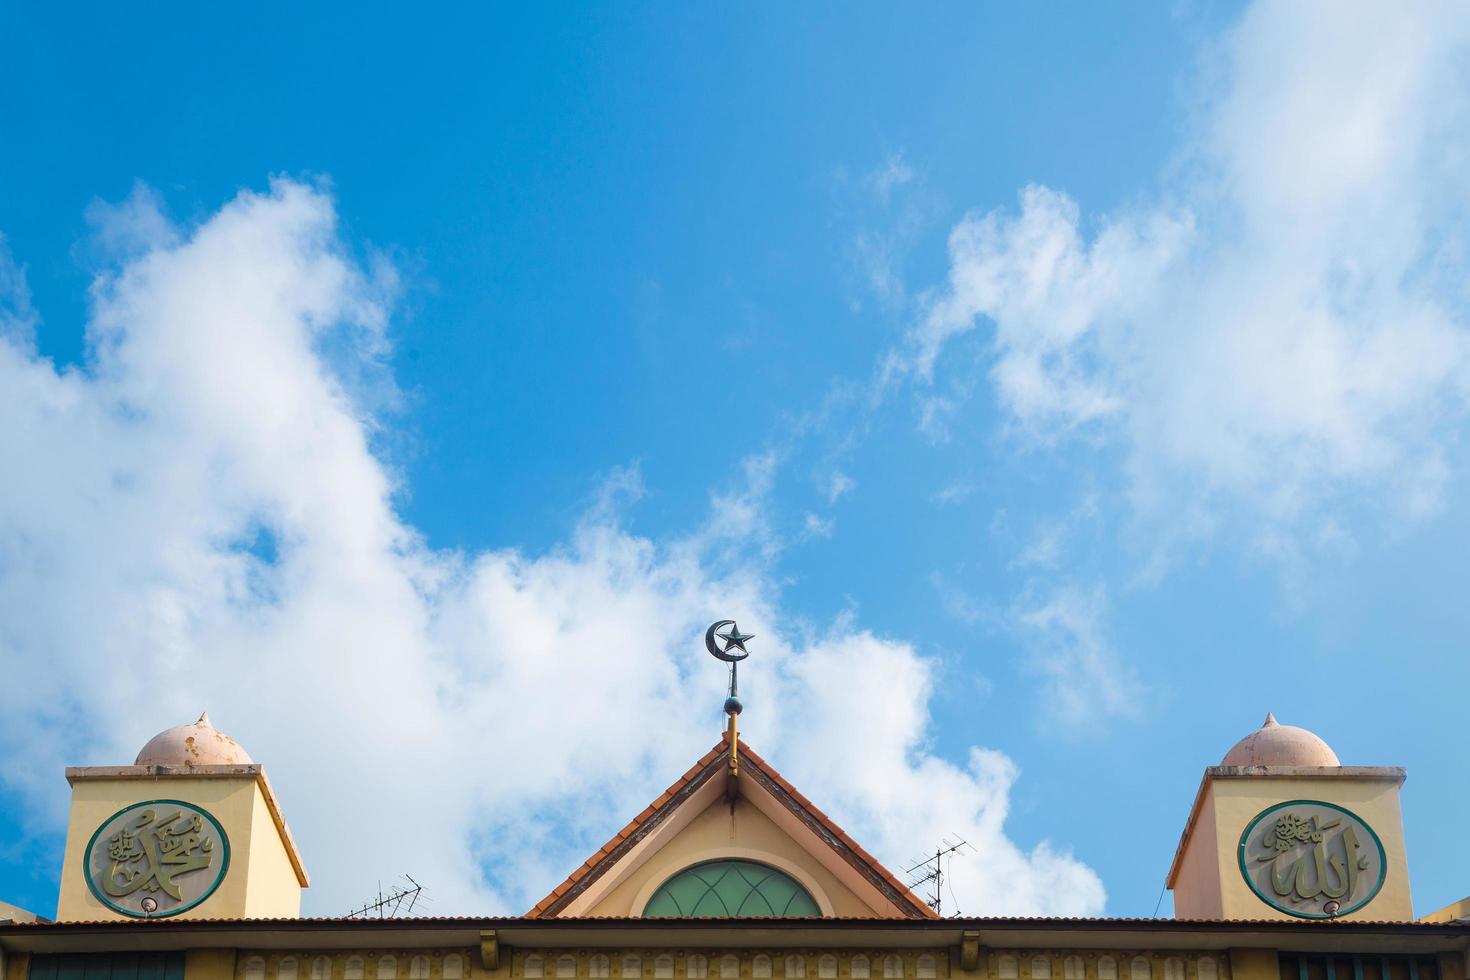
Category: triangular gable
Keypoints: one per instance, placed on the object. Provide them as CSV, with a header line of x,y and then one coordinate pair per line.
x,y
789,831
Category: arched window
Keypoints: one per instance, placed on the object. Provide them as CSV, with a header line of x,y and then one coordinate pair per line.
x,y
663,968
321,968
795,966
599,967
860,967
255,968
1173,968
925,967
729,967
286,969
1072,968
760,966
1107,968
418,968
731,889
453,967
388,968
1205,968
353,970
827,967
892,967
535,968
696,967
632,967
1008,968
1141,970
566,966
1040,968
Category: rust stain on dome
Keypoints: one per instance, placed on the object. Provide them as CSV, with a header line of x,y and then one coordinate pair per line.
x,y
186,745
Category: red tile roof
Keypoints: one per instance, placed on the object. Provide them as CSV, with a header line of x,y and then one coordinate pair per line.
x,y
711,763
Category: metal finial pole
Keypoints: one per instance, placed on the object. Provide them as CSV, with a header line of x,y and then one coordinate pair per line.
x,y
734,640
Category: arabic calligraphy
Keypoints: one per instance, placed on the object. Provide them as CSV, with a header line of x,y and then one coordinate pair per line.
x,y
151,851
1311,859
157,858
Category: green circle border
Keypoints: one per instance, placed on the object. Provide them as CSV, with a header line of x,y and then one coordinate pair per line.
x,y
1382,859
87,861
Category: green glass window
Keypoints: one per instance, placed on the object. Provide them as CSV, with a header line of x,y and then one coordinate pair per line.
x,y
721,889
107,966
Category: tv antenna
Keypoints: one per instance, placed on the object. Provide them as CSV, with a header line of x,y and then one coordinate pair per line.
x,y
398,900
931,872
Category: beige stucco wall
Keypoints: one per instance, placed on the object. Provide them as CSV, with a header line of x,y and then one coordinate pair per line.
x,y
1197,889
1232,803
273,888
252,885
1451,912
716,833
1254,964
209,964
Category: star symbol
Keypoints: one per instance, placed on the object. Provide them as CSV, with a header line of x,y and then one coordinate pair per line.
x,y
734,638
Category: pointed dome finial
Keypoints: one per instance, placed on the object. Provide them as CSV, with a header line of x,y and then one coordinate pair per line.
x,y
199,744
1275,744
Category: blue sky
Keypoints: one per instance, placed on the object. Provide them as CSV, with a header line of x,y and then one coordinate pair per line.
x,y
1055,390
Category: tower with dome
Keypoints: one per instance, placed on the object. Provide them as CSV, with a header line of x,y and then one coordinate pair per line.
x,y
191,829
1282,829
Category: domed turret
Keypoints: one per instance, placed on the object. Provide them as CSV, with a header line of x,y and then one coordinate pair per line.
x,y
1275,744
199,744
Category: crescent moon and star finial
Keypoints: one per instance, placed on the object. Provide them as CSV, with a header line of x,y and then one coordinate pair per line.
x,y
734,640
732,652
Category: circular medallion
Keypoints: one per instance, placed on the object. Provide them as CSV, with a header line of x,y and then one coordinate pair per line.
x,y
156,859
1311,859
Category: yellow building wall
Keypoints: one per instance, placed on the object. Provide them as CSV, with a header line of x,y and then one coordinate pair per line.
x,y
718,833
209,964
1109,964
1197,892
252,885
1232,803
273,889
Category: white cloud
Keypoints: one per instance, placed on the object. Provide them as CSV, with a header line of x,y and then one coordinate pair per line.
x,y
17,318
953,492
1048,547
198,519
840,485
1085,679
894,174
1288,322
814,526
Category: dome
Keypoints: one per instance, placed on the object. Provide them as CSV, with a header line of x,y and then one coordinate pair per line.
x,y
199,744
1275,744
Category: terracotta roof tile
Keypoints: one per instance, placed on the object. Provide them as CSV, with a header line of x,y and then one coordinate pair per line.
x,y
622,835
605,855
842,835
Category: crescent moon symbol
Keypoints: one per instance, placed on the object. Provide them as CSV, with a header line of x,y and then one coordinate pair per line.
x,y
709,643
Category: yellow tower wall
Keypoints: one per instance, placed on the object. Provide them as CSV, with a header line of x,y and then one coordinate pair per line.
x,y
1207,881
261,879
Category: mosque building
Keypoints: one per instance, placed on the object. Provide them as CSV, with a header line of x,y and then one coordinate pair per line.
x,y
1291,866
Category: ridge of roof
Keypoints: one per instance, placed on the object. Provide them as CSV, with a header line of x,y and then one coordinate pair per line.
x,y
651,815
919,908
683,787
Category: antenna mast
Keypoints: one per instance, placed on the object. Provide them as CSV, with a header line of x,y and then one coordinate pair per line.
x,y
398,901
931,872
